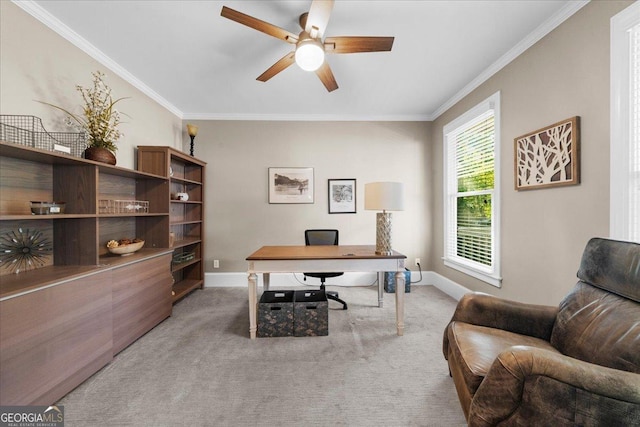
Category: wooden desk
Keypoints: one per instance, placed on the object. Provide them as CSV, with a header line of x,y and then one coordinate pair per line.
x,y
320,259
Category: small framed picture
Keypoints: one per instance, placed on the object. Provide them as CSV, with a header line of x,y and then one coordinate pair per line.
x,y
290,185
342,196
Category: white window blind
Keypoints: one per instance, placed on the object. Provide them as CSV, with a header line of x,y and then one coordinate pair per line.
x,y
471,207
625,124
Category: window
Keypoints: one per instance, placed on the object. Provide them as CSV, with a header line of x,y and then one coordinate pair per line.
x,y
472,189
625,124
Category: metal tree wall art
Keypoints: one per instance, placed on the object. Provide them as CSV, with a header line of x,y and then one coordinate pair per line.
x,y
24,250
549,156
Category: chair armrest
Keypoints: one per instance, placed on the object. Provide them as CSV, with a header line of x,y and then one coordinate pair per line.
x,y
526,382
526,319
486,310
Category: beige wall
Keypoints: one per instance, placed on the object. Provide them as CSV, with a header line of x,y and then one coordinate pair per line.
x,y
544,231
38,64
239,153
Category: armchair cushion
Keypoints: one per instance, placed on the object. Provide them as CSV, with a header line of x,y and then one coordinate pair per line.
x,y
476,347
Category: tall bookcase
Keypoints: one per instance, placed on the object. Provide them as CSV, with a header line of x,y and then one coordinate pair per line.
x,y
185,230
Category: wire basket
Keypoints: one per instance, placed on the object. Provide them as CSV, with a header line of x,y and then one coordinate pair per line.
x,y
28,131
106,206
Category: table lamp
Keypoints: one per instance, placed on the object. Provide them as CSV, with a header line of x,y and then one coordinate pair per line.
x,y
384,196
193,131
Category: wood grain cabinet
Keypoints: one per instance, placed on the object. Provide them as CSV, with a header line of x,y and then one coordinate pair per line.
x,y
141,299
63,321
186,176
53,339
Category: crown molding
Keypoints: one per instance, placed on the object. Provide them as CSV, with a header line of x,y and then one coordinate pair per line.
x,y
309,117
542,30
64,31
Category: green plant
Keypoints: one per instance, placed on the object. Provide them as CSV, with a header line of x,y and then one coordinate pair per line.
x,y
99,119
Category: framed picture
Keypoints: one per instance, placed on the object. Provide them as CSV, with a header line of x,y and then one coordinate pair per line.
x,y
342,196
290,185
549,156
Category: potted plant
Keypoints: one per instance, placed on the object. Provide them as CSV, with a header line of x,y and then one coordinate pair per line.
x,y
99,120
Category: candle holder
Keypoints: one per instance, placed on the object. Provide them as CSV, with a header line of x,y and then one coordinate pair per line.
x,y
193,131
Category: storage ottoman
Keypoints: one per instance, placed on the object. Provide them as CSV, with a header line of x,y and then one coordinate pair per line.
x,y
311,313
275,314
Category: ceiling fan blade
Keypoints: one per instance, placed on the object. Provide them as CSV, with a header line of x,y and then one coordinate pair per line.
x,y
282,63
356,44
319,14
326,76
259,25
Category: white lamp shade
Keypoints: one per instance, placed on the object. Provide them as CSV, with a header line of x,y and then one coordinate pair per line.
x,y
384,196
309,55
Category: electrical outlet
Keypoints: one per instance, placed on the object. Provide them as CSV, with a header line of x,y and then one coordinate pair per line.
x,y
417,261
216,263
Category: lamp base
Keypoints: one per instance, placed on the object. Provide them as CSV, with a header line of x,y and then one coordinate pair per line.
x,y
383,233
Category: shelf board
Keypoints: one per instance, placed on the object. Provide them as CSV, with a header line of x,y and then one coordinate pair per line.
x,y
74,216
185,181
185,242
185,222
178,267
52,216
13,285
118,215
183,287
111,260
186,202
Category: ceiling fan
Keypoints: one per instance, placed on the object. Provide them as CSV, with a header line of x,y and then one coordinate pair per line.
x,y
310,47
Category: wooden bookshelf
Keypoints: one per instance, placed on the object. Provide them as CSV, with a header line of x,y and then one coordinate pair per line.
x,y
186,174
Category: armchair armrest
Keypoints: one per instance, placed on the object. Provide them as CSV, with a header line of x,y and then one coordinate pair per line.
x,y
527,384
486,310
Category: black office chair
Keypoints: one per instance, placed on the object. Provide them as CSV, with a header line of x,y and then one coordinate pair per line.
x,y
323,237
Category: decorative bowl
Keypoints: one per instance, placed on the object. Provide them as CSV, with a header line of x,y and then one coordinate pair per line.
x,y
124,250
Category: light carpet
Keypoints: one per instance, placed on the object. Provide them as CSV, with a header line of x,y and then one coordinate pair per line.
x,y
199,368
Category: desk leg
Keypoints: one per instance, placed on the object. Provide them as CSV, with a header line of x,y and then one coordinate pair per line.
x,y
400,302
380,288
253,304
265,281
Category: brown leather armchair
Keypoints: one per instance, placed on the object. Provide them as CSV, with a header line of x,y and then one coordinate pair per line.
x,y
576,364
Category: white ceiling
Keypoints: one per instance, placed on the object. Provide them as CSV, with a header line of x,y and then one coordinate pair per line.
x,y
202,66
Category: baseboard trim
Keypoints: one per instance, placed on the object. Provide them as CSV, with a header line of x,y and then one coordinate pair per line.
x,y
448,286
429,278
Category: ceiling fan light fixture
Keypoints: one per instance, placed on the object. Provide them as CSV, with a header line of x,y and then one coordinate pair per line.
x,y
309,54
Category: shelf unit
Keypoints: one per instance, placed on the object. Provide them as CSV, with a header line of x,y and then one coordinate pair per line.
x,y
79,236
186,174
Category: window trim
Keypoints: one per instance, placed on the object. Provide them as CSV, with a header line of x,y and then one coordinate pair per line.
x,y
620,115
489,275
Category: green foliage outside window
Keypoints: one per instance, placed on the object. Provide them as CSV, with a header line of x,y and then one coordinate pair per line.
x,y
475,181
